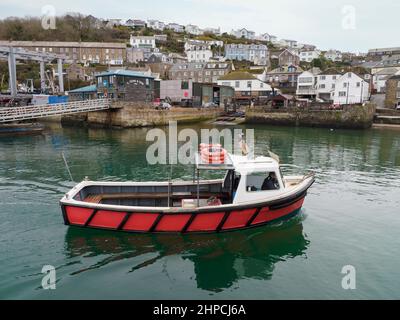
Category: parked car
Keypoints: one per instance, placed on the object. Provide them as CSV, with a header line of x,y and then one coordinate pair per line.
x,y
398,106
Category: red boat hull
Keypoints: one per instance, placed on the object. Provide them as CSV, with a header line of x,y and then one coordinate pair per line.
x,y
197,222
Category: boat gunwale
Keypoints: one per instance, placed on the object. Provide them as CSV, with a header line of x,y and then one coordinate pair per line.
x,y
294,193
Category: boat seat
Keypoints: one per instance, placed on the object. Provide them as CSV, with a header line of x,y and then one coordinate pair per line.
x,y
149,195
93,198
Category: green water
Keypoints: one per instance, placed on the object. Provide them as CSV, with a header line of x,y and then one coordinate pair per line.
x,y
350,217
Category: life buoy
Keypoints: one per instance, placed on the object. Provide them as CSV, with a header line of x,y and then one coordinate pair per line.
x,y
212,153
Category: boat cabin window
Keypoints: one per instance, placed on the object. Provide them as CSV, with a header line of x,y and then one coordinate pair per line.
x,y
262,181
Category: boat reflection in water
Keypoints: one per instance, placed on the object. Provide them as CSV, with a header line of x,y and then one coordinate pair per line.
x,y
220,260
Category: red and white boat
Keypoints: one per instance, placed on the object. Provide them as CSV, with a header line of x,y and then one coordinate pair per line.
x,y
253,193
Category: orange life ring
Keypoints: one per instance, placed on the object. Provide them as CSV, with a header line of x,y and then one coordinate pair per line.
x,y
212,153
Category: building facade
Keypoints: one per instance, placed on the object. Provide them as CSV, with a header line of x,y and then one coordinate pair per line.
x,y
392,99
156,25
350,89
198,51
126,85
326,83
77,52
244,33
334,55
199,71
309,55
246,85
142,42
258,54
193,30
307,83
284,77
288,57
176,27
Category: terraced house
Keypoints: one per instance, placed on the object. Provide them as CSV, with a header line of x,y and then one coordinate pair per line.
x,y
110,53
246,85
285,77
258,54
201,72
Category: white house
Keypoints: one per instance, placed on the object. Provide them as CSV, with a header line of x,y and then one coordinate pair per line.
x,y
289,43
267,37
333,55
198,51
244,33
245,84
380,78
215,31
194,30
142,42
350,89
155,24
199,55
307,83
309,55
326,83
175,27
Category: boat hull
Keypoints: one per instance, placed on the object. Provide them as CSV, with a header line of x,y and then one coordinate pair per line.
x,y
206,221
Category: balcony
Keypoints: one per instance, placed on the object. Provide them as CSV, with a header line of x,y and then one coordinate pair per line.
x,y
306,92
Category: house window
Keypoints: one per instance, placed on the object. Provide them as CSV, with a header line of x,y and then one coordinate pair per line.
x,y
237,84
342,93
322,86
345,85
248,84
323,77
358,84
184,85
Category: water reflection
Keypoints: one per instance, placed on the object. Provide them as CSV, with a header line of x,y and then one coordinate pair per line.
x,y
219,260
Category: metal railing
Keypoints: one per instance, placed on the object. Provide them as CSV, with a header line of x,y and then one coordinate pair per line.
x,y
48,110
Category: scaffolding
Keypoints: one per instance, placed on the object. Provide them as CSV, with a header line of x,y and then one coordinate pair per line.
x,y
12,54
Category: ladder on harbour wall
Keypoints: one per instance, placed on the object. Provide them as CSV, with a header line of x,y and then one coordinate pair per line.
x,y
48,110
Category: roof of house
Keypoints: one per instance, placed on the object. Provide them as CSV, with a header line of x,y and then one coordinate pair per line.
x,y
331,71
91,88
315,71
290,51
387,71
395,77
126,73
285,69
238,75
63,44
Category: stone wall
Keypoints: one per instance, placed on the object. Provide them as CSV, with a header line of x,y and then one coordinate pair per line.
x,y
391,93
134,114
352,117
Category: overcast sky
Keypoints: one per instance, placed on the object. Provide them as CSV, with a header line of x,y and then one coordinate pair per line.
x,y
349,25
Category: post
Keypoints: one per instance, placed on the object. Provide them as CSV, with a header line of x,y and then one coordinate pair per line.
x,y
198,188
12,71
60,75
42,77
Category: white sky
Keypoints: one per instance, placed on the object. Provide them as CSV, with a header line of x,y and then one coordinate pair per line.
x,y
316,22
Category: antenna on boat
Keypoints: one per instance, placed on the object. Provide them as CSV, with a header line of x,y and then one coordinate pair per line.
x,y
169,185
67,166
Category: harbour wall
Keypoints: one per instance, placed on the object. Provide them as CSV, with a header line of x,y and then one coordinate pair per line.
x,y
134,115
351,117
